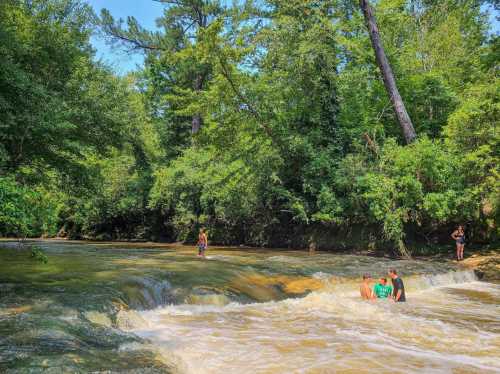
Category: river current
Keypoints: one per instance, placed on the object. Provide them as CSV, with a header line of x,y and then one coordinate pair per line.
x,y
123,308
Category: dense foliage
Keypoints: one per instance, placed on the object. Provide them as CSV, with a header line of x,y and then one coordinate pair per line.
x,y
266,122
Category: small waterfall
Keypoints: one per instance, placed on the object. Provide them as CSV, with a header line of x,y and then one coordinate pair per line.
x,y
413,283
148,292
449,278
332,330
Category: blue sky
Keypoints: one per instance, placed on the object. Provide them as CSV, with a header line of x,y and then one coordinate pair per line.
x,y
146,12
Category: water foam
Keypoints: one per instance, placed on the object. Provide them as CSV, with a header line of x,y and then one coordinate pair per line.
x,y
413,283
327,331
426,281
333,286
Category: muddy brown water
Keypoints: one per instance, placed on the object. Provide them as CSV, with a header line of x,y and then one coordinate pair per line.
x,y
111,307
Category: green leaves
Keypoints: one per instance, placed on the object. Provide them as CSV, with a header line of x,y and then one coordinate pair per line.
x,y
329,208
297,134
25,211
37,254
55,102
206,186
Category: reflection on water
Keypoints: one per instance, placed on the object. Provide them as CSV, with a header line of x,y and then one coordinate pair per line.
x,y
97,307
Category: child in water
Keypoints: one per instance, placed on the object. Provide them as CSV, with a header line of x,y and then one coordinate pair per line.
x,y
202,243
382,290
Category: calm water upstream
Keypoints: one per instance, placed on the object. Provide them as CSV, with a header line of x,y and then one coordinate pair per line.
x,y
145,309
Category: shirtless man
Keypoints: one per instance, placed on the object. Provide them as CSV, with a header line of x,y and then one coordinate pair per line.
x,y
365,288
202,243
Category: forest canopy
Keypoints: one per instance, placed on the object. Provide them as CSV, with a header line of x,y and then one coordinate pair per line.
x,y
266,122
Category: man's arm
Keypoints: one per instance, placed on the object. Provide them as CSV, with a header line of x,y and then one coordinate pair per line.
x,y
372,294
398,295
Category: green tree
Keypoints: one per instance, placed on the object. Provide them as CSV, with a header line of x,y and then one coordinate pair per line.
x,y
175,69
54,100
25,211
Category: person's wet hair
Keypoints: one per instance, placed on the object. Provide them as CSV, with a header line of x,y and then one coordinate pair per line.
x,y
384,280
393,271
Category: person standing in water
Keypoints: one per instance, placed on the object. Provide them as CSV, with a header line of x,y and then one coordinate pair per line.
x,y
202,242
365,289
459,236
398,287
381,289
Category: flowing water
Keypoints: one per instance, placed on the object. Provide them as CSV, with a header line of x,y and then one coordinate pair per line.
x,y
121,308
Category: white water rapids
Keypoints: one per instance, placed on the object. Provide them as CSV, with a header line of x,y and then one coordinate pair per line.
x,y
130,308
450,324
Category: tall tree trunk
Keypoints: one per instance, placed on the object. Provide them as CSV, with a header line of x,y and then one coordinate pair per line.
x,y
202,21
196,123
387,75
197,120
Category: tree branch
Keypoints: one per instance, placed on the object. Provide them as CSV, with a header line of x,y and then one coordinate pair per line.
x,y
371,144
137,44
241,97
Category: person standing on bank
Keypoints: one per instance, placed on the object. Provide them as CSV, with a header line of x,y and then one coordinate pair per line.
x,y
459,236
398,287
202,242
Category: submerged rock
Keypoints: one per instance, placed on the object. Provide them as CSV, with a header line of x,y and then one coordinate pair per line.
x,y
16,310
98,318
128,320
46,340
294,285
208,299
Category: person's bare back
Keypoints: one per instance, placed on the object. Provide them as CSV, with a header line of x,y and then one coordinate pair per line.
x,y
365,289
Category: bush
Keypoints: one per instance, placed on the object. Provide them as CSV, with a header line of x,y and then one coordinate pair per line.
x,y
419,188
26,211
37,254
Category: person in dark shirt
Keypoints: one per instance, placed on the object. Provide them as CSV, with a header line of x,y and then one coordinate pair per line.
x,y
398,287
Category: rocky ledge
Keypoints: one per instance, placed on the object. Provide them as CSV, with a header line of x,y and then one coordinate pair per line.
x,y
485,265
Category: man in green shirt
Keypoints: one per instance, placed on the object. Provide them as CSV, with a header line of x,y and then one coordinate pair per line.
x,y
382,290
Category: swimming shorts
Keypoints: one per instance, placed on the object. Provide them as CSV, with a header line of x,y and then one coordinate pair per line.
x,y
201,248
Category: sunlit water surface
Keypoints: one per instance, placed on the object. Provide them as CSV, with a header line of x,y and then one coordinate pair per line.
x,y
150,309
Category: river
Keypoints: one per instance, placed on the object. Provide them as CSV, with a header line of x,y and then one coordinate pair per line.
x,y
125,308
